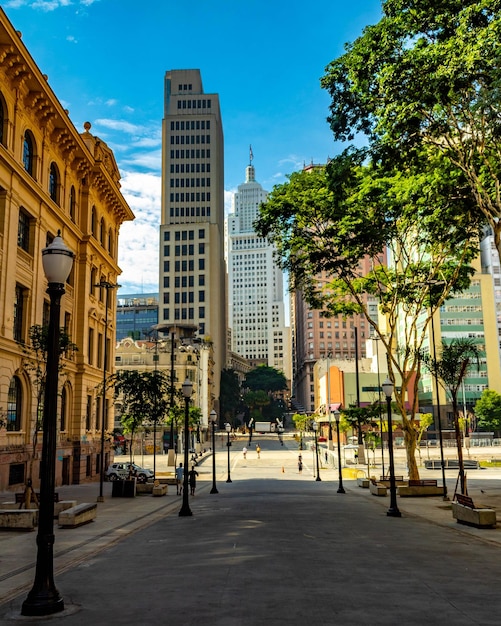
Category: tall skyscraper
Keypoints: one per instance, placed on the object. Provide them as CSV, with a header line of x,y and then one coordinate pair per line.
x,y
255,284
192,271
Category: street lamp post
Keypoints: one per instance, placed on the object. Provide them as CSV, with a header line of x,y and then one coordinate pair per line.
x,y
213,419
187,391
393,510
104,284
44,598
337,416
315,427
228,443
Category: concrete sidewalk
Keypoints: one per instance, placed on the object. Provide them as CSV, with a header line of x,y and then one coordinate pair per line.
x,y
270,494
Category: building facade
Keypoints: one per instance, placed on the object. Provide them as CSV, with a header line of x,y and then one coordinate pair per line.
x,y
192,281
52,178
255,284
136,314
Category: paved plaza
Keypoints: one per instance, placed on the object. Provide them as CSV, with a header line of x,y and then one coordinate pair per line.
x,y
272,547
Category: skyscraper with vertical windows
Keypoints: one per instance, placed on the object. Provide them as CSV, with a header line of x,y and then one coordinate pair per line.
x,y
255,284
192,282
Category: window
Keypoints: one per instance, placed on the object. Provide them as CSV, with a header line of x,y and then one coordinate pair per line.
x,y
90,348
54,183
64,409
14,405
19,310
102,231
23,230
29,153
73,203
93,222
3,127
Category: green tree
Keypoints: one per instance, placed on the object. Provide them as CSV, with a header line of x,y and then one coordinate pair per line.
x,y
427,75
265,378
229,396
143,397
34,362
488,410
325,222
451,368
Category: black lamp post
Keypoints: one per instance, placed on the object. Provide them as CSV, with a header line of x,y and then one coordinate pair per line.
x,y
228,443
187,391
107,286
337,416
44,598
213,419
393,510
315,426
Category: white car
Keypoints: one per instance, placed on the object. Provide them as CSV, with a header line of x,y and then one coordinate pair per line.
x,y
120,471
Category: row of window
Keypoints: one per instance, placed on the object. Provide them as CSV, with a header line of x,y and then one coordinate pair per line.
x,y
189,182
184,266
184,297
191,211
203,153
190,168
15,406
190,125
184,235
201,103
186,313
189,140
185,249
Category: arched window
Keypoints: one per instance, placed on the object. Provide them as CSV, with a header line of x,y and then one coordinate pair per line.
x,y
14,405
110,241
102,231
93,222
73,203
54,182
28,153
3,121
64,409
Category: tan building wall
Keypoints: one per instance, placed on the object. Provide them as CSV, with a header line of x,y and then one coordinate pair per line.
x,y
52,178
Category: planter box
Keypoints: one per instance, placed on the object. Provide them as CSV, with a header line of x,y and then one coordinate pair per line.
x,y
19,519
377,489
465,512
124,488
406,491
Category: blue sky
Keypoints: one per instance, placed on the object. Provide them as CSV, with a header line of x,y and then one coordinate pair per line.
x,y
106,61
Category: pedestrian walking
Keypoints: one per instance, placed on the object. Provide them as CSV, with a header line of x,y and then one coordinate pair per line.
x,y
244,451
258,450
179,479
192,480
300,463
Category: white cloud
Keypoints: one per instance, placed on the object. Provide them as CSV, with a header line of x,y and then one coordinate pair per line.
x,y
120,125
72,39
138,252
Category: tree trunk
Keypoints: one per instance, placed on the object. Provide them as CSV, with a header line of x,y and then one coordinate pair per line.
x,y
459,445
410,437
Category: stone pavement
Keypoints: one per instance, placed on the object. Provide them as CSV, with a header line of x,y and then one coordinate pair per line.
x,y
272,546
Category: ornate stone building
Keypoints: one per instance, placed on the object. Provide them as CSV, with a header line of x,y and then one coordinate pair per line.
x,y
53,178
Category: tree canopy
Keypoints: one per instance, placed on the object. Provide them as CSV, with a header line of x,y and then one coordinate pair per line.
x,y
427,75
488,410
265,378
327,222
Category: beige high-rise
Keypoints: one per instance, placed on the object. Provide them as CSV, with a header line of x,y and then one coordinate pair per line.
x,y
192,281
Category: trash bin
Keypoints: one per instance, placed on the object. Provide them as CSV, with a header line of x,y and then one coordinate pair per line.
x,y
129,489
117,490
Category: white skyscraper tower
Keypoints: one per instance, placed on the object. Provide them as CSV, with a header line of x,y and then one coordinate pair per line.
x,y
255,283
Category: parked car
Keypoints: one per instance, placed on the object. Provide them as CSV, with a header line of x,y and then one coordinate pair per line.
x,y
120,471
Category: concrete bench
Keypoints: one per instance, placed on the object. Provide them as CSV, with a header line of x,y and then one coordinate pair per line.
x,y
63,505
419,488
160,490
363,482
18,519
78,515
466,512
377,489
142,488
